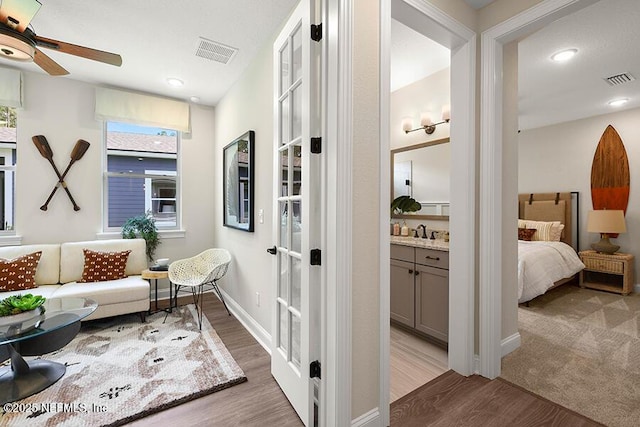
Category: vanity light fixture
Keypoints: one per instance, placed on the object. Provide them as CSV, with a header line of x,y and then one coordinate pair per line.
x,y
426,123
618,102
564,55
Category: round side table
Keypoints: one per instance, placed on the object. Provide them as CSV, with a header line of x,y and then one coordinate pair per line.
x,y
155,275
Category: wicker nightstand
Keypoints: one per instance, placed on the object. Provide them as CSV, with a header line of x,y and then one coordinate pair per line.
x,y
613,273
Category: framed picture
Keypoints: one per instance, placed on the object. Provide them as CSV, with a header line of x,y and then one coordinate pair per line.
x,y
238,176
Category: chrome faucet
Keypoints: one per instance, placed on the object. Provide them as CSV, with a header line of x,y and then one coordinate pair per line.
x,y
424,230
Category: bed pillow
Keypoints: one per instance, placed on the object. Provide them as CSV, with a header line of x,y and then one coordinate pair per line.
x,y
526,233
104,266
19,273
544,230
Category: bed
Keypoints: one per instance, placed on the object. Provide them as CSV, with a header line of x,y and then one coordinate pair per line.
x,y
547,257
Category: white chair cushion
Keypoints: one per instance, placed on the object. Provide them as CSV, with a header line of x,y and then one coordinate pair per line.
x,y
48,271
111,292
72,257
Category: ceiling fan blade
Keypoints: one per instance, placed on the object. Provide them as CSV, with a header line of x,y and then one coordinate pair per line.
x,y
18,13
48,64
81,51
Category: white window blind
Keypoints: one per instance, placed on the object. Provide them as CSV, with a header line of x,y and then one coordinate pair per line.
x,y
119,105
10,88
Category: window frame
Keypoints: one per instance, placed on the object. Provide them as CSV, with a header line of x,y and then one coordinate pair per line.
x,y
10,178
106,229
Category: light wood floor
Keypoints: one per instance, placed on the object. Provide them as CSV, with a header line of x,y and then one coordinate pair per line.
x,y
257,402
414,362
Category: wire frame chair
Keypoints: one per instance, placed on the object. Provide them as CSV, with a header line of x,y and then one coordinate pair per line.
x,y
199,273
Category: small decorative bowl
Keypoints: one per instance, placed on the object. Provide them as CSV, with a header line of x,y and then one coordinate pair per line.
x,y
162,262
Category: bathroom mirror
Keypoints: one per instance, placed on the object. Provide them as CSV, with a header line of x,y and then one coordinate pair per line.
x,y
422,172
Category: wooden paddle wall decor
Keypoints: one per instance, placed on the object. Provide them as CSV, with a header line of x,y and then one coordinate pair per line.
x,y
610,180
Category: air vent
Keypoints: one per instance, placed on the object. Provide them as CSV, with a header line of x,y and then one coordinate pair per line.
x,y
215,51
619,79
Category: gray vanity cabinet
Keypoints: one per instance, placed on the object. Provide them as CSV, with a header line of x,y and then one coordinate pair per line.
x,y
420,290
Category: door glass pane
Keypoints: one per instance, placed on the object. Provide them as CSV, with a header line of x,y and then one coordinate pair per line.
x,y
284,218
295,340
297,113
284,327
297,170
296,279
283,291
297,54
284,121
284,172
284,68
296,227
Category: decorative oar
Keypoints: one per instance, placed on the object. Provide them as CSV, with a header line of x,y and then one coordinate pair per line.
x,y
78,151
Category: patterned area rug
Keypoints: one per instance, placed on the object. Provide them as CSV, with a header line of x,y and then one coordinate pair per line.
x,y
119,369
581,349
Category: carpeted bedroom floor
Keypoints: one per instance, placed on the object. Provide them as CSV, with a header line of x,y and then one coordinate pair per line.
x,y
581,349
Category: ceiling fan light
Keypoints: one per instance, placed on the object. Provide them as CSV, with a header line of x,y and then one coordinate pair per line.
x,y
16,48
564,55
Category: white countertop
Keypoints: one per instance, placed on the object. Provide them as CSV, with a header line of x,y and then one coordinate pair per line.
x,y
418,242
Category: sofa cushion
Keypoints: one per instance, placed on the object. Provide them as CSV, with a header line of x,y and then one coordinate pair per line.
x,y
72,257
48,271
19,273
111,292
103,266
46,291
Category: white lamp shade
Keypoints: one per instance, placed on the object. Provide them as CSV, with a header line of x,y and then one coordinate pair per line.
x,y
446,112
606,221
425,119
407,124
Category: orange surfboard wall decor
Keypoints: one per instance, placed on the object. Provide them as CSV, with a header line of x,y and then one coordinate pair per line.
x,y
610,180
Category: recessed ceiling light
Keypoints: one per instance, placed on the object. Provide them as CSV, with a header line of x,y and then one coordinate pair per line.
x,y
172,81
564,55
618,102
195,99
157,142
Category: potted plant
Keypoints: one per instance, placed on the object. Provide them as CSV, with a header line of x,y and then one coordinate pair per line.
x,y
18,308
143,226
403,204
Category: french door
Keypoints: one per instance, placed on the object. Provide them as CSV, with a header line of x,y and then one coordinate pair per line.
x,y
296,304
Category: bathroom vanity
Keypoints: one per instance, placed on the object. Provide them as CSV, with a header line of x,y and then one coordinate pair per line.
x,y
420,286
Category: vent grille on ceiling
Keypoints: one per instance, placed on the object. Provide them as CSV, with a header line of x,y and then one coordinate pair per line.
x,y
215,51
619,79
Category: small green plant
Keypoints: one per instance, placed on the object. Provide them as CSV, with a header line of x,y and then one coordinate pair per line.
x,y
404,204
143,226
16,304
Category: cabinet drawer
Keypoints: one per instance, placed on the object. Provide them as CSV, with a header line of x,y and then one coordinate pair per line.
x,y
432,258
604,265
403,253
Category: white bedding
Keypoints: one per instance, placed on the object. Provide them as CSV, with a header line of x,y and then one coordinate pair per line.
x,y
540,264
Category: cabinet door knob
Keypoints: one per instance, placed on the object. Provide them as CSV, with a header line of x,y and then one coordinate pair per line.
x,y
416,273
410,271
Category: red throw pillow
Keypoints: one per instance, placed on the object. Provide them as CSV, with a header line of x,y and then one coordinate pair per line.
x,y
103,266
526,233
19,273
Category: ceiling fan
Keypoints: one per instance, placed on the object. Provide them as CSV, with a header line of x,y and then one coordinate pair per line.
x,y
19,43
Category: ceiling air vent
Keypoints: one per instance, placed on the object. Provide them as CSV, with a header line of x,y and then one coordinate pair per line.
x,y
215,51
619,79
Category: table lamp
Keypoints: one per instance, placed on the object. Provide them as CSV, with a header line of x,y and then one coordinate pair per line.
x,y
605,222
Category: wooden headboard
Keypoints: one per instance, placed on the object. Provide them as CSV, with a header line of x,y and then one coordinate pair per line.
x,y
549,207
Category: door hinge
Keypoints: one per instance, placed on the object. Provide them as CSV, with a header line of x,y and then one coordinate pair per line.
x,y
316,145
314,369
316,32
316,257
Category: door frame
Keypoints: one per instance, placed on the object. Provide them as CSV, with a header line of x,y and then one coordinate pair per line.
x,y
462,42
491,198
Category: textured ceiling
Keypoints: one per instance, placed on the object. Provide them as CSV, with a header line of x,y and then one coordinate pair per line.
x,y
158,39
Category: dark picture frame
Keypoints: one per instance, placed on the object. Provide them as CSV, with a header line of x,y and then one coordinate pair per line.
x,y
238,182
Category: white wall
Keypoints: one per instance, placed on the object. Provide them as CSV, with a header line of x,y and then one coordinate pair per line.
x,y
62,110
559,157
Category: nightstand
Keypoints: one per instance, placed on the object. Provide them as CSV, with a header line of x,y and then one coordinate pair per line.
x,y
613,273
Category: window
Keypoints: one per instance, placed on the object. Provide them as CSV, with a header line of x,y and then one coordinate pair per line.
x,y
8,139
141,174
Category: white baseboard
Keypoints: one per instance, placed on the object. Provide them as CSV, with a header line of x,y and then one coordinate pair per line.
x,y
510,343
368,419
476,364
259,333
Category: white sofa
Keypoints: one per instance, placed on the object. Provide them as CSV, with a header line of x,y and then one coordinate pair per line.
x,y
60,269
